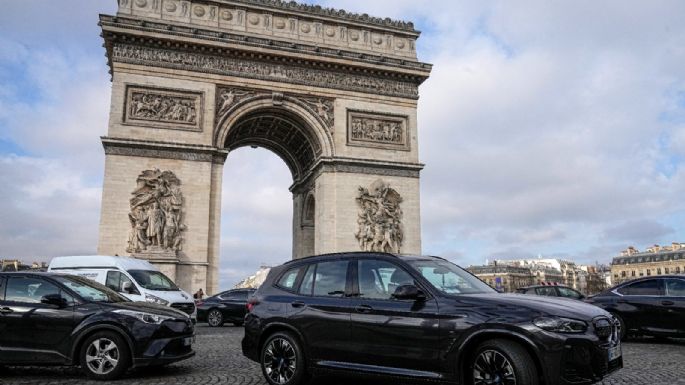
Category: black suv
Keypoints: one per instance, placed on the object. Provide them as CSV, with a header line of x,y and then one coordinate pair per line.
x,y
423,318
51,319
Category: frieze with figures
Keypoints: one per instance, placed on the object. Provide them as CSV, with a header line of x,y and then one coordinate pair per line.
x,y
379,221
234,66
377,130
163,108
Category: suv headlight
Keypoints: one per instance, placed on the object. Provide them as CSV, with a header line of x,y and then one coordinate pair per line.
x,y
560,325
157,300
148,318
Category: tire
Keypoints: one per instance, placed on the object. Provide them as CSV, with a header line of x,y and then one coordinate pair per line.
x,y
624,328
105,356
504,359
282,360
215,318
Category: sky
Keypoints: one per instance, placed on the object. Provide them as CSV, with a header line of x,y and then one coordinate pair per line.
x,y
551,128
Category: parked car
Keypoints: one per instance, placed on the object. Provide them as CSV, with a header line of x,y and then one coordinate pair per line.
x,y
135,279
652,306
551,291
54,319
421,318
228,306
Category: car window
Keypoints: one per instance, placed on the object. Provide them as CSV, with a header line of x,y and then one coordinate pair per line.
x,y
289,279
379,279
116,281
675,287
330,279
548,291
307,286
449,278
649,287
2,288
568,293
29,290
235,296
90,290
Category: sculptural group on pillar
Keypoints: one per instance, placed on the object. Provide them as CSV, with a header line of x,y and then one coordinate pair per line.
x,y
156,214
380,219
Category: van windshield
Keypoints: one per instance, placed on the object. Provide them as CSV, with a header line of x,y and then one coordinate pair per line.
x,y
153,280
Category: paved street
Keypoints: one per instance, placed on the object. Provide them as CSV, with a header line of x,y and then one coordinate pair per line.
x,y
219,361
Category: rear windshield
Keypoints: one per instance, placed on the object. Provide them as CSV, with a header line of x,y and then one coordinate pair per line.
x,y
450,278
153,280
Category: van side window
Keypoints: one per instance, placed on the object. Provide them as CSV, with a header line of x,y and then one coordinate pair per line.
x,y
116,281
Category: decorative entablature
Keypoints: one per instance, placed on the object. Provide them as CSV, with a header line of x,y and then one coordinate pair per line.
x,y
289,21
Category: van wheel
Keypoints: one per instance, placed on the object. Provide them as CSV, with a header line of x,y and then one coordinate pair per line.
x,y
282,360
105,356
215,318
501,362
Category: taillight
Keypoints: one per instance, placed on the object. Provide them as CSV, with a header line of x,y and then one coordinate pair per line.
x,y
251,304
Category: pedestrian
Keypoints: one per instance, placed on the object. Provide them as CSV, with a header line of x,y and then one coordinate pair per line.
x,y
199,295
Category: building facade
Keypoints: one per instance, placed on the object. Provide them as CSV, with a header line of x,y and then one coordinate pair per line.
x,y
656,260
503,278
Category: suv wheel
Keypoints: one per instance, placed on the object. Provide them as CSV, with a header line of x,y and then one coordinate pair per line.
x,y
502,362
104,356
282,360
215,318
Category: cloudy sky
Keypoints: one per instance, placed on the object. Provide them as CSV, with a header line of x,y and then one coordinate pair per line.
x,y
552,128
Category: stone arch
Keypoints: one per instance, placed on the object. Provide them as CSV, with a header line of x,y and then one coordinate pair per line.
x,y
247,123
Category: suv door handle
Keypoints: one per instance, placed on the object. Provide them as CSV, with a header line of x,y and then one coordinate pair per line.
x,y
667,303
6,310
363,309
297,304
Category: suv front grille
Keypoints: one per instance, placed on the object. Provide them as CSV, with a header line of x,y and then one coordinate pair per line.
x,y
187,308
607,329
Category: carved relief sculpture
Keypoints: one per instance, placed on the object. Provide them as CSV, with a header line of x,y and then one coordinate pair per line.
x,y
163,108
156,215
324,109
377,130
380,219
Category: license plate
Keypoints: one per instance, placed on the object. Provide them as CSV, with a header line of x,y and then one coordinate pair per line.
x,y
188,341
615,352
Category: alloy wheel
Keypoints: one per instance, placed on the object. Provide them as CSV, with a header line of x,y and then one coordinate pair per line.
x,y
214,318
102,356
493,368
280,361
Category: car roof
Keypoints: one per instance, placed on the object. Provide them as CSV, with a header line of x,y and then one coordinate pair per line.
x,y
536,286
352,254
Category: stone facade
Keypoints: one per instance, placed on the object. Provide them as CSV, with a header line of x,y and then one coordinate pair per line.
x,y
656,260
504,278
332,93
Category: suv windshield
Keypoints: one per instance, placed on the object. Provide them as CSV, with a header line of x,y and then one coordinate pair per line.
x,y
153,280
89,290
450,278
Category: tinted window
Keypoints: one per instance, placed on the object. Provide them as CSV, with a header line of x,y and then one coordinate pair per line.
x,y
29,290
450,278
380,279
289,279
675,287
568,293
330,279
307,285
235,296
650,287
546,291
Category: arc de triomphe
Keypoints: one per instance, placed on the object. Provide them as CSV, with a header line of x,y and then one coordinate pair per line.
x,y
334,94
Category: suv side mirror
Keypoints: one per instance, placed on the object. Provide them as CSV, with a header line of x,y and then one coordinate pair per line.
x,y
410,292
54,299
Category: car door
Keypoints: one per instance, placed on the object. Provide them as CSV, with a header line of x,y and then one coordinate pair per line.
x,y
674,305
640,305
35,331
389,332
234,304
320,308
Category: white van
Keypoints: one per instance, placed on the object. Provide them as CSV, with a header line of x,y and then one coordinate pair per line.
x,y
135,279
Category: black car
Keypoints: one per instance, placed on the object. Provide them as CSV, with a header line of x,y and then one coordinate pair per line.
x,y
652,306
51,319
551,291
422,318
229,306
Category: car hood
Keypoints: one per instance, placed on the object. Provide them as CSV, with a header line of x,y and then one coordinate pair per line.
x,y
148,308
544,306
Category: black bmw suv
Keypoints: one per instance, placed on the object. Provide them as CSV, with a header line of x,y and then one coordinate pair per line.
x,y
51,319
422,318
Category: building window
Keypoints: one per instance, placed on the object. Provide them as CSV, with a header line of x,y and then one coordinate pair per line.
x,y
632,273
677,269
649,272
667,270
658,271
623,274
